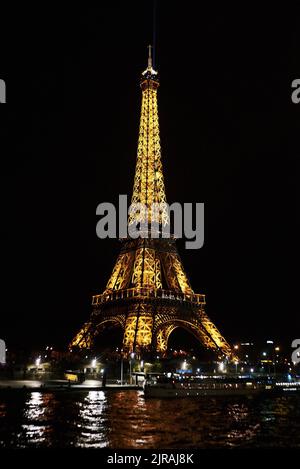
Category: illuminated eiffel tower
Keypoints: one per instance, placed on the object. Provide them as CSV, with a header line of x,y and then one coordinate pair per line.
x,y
148,294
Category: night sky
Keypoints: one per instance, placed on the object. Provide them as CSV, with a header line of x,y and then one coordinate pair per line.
x,y
69,137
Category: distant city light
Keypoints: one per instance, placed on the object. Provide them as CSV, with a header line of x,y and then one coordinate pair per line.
x,y
251,370
264,354
270,342
236,347
38,361
277,349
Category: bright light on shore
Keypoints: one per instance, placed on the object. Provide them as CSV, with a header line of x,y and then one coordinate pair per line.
x,y
221,366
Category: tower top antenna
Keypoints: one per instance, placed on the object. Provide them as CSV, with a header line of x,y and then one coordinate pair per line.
x,y
149,73
149,58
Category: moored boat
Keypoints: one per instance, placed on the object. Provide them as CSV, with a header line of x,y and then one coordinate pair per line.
x,y
161,385
177,389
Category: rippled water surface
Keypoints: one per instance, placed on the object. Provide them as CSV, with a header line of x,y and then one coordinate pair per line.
x,y
123,419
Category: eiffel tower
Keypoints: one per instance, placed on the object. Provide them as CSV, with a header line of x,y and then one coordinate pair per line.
x,y
148,293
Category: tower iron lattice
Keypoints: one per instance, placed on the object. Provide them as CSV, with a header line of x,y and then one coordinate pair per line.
x,y
148,293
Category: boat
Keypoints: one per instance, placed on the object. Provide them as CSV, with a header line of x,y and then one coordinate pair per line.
x,y
173,386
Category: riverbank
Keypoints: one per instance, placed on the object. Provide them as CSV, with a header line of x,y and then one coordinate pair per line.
x,y
61,385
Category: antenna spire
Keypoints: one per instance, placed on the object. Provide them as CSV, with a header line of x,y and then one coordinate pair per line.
x,y
150,73
149,58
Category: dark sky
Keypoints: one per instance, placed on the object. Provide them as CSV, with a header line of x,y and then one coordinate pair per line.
x,y
69,138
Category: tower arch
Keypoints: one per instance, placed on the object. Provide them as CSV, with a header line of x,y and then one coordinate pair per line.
x,y
165,330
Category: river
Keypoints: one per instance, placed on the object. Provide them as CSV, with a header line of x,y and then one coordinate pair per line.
x,y
124,419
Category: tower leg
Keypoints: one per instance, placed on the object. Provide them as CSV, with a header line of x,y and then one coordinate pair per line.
x,y
138,329
162,338
84,338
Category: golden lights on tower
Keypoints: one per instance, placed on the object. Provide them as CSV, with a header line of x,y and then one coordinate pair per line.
x,y
148,293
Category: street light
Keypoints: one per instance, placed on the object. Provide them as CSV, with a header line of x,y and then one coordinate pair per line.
x,y
122,370
130,371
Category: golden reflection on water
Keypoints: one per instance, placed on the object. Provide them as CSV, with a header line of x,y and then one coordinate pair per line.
x,y
158,423
133,429
37,415
91,422
124,419
243,430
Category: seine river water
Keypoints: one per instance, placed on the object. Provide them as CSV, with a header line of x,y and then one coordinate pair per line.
x,y
123,419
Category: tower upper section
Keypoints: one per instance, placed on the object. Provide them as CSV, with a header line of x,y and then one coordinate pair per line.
x,y
149,198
